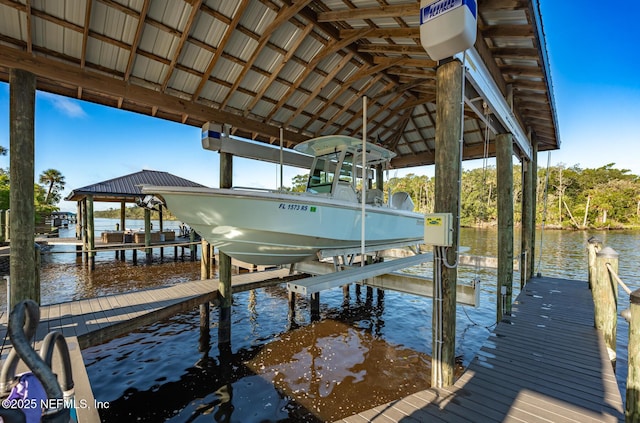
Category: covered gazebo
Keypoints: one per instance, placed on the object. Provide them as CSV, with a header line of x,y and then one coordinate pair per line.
x,y
124,189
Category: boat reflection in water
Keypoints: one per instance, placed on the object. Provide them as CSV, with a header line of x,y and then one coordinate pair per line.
x,y
334,370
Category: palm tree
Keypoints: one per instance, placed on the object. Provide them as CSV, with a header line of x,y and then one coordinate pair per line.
x,y
54,179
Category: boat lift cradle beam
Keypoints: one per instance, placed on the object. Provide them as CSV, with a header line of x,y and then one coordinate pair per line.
x,y
479,76
378,275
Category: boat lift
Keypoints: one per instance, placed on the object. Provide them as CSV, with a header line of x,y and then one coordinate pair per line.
x,y
384,275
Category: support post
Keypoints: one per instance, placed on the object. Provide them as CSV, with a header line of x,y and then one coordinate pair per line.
x,y
205,257
161,229
91,242
85,242
593,246
449,115
22,92
2,223
504,170
224,265
147,234
123,208
315,306
527,222
79,220
534,194
605,299
632,403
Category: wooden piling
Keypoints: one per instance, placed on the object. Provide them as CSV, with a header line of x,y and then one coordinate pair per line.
x,y
292,303
205,258
593,246
314,305
91,242
22,88
224,261
2,223
79,220
449,115
527,221
504,170
123,226
193,251
605,299
147,234
632,404
534,195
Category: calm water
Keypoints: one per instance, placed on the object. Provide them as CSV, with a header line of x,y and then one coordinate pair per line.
x,y
363,352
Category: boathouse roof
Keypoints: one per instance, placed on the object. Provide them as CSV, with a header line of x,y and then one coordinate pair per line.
x,y
262,65
127,187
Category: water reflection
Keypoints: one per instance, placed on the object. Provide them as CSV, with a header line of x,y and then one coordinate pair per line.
x,y
279,365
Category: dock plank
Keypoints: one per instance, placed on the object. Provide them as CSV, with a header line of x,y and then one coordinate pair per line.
x,y
544,363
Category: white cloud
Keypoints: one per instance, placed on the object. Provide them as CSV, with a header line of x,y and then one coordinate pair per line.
x,y
66,106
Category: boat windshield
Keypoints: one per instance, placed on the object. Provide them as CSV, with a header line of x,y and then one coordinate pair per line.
x,y
324,171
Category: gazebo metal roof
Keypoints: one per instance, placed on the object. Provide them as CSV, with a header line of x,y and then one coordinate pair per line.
x,y
127,188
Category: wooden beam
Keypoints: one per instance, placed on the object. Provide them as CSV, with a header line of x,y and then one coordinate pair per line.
x,y
218,52
195,7
413,32
318,87
515,31
391,49
274,72
516,53
136,39
72,75
395,11
371,70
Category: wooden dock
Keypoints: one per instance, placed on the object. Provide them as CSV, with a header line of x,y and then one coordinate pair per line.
x,y
93,321
544,363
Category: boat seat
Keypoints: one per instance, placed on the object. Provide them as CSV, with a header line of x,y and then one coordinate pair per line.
x,y
374,196
401,200
345,192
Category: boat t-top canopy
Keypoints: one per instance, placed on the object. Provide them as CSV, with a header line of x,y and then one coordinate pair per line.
x,y
332,143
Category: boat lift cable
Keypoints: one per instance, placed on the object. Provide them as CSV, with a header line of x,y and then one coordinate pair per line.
x,y
544,212
485,159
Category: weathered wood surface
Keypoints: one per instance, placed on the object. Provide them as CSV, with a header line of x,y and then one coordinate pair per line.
x,y
546,363
96,320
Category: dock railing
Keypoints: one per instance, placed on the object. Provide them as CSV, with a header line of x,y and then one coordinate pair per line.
x,y
604,281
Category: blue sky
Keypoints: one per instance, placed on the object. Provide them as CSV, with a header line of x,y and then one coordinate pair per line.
x,y
593,58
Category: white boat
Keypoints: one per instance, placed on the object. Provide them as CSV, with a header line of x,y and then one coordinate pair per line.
x,y
276,227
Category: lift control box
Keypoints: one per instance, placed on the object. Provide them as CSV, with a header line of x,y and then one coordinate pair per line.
x,y
438,229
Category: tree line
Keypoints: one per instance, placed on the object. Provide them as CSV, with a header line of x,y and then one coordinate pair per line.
x,y
566,197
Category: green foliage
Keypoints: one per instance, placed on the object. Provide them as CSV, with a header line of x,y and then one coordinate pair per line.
x,y
54,182
133,212
299,183
610,197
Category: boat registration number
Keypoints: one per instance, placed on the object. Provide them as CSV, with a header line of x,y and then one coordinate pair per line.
x,y
297,207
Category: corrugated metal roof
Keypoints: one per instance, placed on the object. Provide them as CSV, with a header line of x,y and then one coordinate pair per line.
x,y
228,55
127,187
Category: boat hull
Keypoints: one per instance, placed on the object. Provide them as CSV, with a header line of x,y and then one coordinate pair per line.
x,y
275,228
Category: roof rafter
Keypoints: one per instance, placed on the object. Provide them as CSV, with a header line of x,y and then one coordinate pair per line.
x,y
397,10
